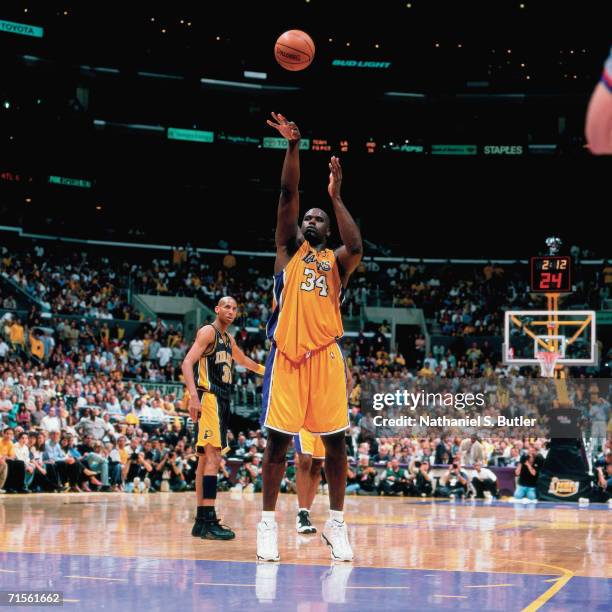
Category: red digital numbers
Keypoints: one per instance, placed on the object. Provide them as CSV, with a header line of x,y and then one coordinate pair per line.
x,y
551,281
551,273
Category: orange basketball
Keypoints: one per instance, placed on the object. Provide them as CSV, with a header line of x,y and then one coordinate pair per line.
x,y
294,50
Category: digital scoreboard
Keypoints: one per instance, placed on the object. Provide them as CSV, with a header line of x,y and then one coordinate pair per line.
x,y
551,274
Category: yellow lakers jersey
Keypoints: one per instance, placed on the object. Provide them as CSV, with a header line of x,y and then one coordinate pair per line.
x,y
306,313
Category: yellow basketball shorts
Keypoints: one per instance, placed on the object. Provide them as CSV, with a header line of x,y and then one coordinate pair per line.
x,y
309,395
213,423
307,443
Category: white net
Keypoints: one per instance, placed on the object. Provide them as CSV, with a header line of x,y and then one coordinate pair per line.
x,y
548,361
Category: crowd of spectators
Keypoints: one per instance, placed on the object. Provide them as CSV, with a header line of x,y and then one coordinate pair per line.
x,y
459,299
85,407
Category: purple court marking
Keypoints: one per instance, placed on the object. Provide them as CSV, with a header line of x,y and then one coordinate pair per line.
x,y
508,504
169,584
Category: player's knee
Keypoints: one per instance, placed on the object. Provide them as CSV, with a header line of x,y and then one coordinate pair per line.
x,y
315,466
275,455
213,457
276,448
304,462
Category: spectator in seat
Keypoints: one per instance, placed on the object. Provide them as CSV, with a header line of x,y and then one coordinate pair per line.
x,y
45,476
24,418
471,449
3,472
91,424
66,465
51,422
15,479
17,337
22,453
97,461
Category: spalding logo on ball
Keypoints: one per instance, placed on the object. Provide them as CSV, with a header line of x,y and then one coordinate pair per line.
x,y
294,50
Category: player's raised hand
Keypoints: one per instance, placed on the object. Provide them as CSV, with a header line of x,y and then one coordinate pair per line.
x,y
287,129
335,178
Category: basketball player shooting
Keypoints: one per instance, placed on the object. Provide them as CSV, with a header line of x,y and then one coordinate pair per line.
x,y
306,379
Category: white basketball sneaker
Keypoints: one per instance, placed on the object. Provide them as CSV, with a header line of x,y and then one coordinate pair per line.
x,y
335,535
267,541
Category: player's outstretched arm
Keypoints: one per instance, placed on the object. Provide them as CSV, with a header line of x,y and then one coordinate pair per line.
x,y
204,339
350,253
599,115
241,359
289,201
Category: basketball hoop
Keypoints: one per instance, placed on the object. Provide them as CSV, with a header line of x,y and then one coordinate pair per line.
x,y
548,361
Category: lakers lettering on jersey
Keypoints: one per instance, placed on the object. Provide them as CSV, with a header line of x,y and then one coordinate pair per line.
x,y
307,293
305,381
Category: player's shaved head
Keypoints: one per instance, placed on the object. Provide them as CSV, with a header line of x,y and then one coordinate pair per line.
x,y
318,212
226,299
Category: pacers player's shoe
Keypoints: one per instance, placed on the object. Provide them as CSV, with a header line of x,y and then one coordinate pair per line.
x,y
303,524
198,528
335,535
267,541
213,530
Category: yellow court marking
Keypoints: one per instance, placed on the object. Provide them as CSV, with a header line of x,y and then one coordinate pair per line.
x,y
551,580
566,576
386,520
227,584
99,578
487,586
540,524
536,604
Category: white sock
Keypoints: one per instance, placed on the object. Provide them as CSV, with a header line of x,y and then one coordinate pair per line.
x,y
268,516
304,510
336,515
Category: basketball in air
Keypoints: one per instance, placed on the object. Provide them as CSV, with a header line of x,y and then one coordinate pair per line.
x,y
294,50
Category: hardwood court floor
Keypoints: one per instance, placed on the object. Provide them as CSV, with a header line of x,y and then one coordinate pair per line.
x,y
409,553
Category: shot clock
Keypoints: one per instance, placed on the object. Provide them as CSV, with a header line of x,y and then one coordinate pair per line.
x,y
551,274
